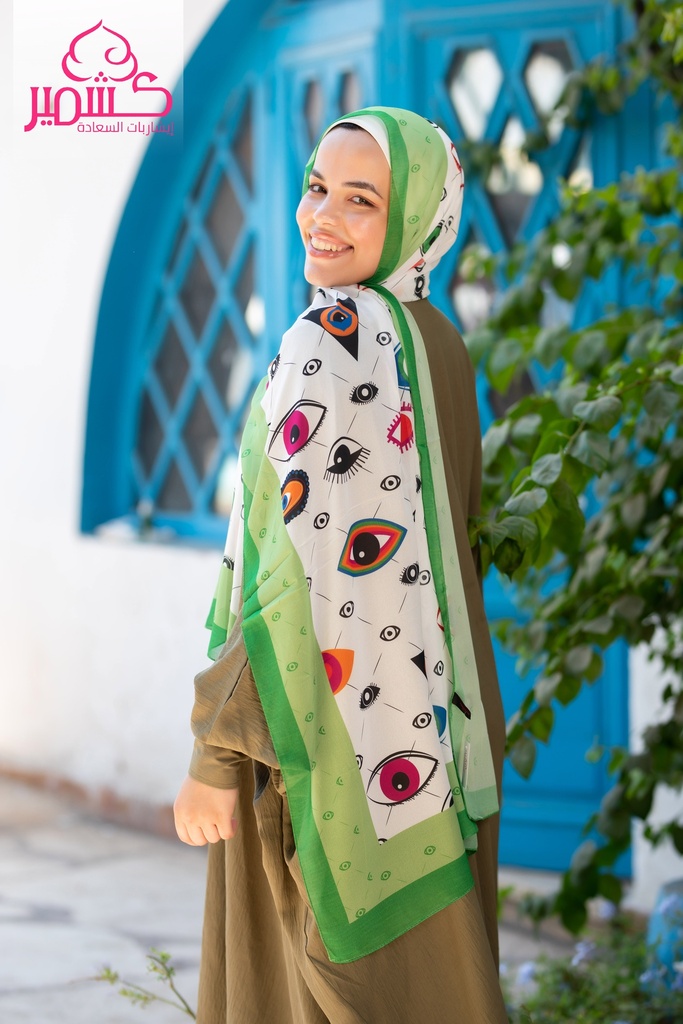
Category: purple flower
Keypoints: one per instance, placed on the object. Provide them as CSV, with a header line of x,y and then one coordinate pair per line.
x,y
526,972
671,906
583,951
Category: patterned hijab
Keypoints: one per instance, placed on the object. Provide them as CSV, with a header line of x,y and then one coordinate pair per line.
x,y
344,562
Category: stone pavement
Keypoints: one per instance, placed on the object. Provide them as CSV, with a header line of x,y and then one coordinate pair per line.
x,y
77,893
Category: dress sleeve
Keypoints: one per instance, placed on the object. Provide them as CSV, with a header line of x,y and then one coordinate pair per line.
x,y
214,761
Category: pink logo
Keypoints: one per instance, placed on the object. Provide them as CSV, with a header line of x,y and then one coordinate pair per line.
x,y
100,55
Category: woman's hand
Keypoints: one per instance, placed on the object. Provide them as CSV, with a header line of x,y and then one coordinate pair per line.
x,y
204,814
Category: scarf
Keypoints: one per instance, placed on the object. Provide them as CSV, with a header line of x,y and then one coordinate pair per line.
x,y
341,555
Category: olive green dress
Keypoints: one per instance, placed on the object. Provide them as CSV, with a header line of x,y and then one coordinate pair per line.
x,y
262,958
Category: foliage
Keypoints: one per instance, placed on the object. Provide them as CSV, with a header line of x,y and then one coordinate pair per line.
x,y
161,968
611,980
583,480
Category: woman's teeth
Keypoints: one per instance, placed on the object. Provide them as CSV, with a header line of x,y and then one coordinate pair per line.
x,y
327,246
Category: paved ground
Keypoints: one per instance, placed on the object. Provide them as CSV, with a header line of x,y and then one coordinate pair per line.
x,y
77,894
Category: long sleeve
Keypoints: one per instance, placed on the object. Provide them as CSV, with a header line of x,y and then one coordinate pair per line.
x,y
214,762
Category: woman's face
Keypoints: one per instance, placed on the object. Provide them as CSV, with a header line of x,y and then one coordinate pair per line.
x,y
343,215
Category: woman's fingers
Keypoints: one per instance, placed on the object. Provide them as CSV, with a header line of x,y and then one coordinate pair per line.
x,y
204,814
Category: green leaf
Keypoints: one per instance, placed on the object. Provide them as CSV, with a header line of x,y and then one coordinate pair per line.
x,y
568,690
661,401
629,606
505,362
523,756
577,660
508,557
494,439
602,413
602,625
540,724
547,469
632,511
592,449
610,889
545,688
522,530
527,502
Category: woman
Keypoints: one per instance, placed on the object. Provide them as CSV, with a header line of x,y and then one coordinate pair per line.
x,y
352,723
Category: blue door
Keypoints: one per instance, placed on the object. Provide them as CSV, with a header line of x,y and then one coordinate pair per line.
x,y
210,286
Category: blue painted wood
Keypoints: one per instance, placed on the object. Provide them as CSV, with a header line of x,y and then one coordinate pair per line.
x,y
400,53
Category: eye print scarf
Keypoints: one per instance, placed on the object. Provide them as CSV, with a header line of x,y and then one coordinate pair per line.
x,y
342,554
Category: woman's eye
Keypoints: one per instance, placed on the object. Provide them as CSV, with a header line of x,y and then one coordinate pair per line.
x,y
400,777
369,545
369,696
362,201
364,393
345,459
295,430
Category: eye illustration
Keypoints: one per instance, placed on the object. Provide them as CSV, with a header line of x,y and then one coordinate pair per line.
x,y
345,460
425,577
272,369
441,717
340,321
294,493
390,483
389,633
369,696
370,543
438,668
359,760
400,430
401,372
418,485
312,366
410,574
346,610
401,777
228,562
422,720
384,338
321,520
296,429
338,665
364,393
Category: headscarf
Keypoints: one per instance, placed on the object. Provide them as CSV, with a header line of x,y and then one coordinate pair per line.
x,y
343,561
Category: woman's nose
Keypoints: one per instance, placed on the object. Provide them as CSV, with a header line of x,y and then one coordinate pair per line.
x,y
326,212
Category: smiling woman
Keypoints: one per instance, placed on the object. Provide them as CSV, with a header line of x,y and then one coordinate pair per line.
x,y
342,216
352,722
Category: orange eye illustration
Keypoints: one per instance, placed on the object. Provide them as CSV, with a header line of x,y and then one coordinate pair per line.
x,y
294,493
338,665
370,544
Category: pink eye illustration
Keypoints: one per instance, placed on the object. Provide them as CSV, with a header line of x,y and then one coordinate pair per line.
x,y
401,777
296,429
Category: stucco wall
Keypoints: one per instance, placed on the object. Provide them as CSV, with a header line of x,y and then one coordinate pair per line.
x,y
100,637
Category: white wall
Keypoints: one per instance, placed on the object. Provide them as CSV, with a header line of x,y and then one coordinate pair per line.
x,y
651,867
100,638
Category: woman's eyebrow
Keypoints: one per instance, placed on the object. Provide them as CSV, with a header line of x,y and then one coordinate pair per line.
x,y
367,185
